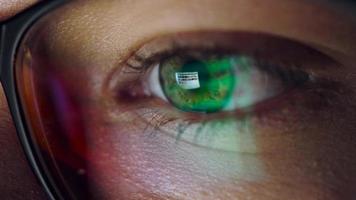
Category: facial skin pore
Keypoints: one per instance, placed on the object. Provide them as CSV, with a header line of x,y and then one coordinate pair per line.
x,y
308,155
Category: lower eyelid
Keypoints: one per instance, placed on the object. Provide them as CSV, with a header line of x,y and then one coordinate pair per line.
x,y
292,108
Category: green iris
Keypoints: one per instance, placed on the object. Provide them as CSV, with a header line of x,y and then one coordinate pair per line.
x,y
198,85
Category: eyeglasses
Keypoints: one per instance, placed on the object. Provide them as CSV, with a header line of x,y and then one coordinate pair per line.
x,y
94,100
13,33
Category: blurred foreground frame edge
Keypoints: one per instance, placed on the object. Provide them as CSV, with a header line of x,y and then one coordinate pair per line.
x,y
12,32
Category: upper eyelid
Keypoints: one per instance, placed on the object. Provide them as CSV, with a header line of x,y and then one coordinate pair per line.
x,y
249,43
134,66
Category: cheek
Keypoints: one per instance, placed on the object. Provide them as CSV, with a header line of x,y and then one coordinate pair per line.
x,y
127,158
314,158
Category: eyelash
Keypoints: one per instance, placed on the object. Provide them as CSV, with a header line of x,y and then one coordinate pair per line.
x,y
319,97
159,116
289,73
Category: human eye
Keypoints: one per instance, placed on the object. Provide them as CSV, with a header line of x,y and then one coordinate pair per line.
x,y
166,99
213,83
204,87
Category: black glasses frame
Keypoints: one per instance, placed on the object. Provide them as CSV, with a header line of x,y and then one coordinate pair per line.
x,y
11,35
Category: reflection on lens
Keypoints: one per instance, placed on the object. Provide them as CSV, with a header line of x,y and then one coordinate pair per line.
x,y
202,86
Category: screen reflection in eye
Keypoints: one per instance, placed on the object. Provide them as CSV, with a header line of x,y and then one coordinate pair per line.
x,y
216,84
208,88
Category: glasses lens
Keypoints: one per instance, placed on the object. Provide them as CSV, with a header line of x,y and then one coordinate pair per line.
x,y
52,109
198,100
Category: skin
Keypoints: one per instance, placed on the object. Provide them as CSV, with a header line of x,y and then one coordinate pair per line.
x,y
310,159
9,8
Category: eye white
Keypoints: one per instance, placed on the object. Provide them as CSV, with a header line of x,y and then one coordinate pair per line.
x,y
254,86
153,86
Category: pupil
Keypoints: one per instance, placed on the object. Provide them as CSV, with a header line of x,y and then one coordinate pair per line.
x,y
202,71
198,85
